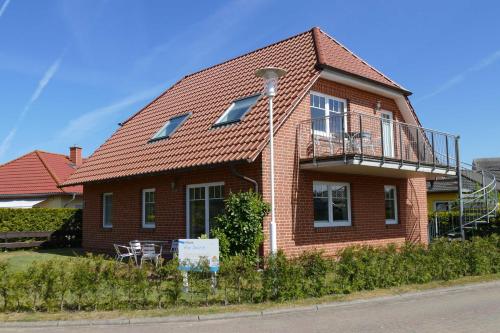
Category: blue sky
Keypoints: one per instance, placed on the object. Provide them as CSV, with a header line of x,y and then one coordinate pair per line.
x,y
71,70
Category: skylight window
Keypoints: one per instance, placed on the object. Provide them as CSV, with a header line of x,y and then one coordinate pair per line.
x,y
170,127
237,110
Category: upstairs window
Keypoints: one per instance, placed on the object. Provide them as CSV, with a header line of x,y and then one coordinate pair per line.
x,y
328,114
237,110
170,127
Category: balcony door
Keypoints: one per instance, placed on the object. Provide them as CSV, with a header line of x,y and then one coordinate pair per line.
x,y
388,133
203,203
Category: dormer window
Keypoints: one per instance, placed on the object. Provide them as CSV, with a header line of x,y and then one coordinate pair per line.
x,y
170,127
237,110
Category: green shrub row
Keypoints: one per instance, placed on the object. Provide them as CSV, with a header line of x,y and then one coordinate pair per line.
x,y
95,283
65,222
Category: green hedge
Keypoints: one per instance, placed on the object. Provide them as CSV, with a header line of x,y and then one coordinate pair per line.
x,y
94,283
65,222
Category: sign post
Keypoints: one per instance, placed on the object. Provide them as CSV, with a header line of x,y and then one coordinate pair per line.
x,y
193,251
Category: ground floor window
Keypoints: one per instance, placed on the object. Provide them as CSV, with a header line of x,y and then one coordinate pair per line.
x,y
332,204
204,202
442,206
391,205
107,207
148,208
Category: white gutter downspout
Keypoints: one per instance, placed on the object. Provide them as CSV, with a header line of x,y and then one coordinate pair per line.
x,y
72,199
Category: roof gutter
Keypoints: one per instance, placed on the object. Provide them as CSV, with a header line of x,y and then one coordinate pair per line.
x,y
30,195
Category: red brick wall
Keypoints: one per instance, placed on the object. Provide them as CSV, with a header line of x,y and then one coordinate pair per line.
x,y
170,204
294,200
294,197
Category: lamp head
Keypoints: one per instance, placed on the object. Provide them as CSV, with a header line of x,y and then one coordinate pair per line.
x,y
270,76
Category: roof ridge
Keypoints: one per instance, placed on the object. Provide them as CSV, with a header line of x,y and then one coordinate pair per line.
x,y
54,177
17,158
49,152
361,59
249,52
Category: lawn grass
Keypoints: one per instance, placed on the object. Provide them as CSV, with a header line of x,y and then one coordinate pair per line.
x,y
20,259
217,309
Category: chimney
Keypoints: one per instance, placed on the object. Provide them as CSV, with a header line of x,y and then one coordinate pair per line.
x,y
75,155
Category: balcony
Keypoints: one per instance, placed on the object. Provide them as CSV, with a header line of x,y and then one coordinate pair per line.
x,y
360,143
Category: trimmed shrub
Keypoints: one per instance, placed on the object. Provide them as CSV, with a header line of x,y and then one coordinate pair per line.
x,y
94,282
315,269
239,280
65,222
282,279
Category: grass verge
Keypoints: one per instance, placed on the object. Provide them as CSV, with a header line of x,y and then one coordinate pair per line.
x,y
216,309
20,259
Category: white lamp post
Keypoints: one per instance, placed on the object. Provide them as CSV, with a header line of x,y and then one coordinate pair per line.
x,y
271,76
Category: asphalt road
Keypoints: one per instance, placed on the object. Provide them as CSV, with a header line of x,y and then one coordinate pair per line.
x,y
468,309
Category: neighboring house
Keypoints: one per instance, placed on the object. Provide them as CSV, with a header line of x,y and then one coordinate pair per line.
x,y
33,180
442,194
351,157
491,164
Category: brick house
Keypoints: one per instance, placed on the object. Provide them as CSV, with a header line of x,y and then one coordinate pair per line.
x,y
33,180
351,157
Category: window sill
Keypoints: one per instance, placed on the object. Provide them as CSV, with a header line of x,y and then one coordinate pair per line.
x,y
391,222
148,228
107,228
332,225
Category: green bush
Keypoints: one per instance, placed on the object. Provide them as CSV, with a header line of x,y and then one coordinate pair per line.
x,y
93,282
315,268
239,228
66,223
282,279
239,280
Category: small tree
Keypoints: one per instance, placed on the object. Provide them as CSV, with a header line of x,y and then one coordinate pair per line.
x,y
239,228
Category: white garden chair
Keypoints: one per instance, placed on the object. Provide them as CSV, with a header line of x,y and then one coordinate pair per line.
x,y
136,248
123,252
174,247
151,252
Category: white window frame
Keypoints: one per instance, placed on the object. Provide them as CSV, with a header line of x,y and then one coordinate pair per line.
x,y
143,215
327,111
391,130
207,208
104,225
396,220
435,203
331,222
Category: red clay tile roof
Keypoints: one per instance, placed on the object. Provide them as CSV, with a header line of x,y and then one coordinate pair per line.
x,y
332,54
37,173
206,95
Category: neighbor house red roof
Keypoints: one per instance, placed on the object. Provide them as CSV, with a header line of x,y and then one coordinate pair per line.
x,y
206,95
37,173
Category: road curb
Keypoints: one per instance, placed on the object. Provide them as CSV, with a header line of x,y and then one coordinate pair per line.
x,y
234,315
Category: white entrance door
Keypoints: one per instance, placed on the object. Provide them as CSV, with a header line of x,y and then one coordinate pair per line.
x,y
387,130
203,203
